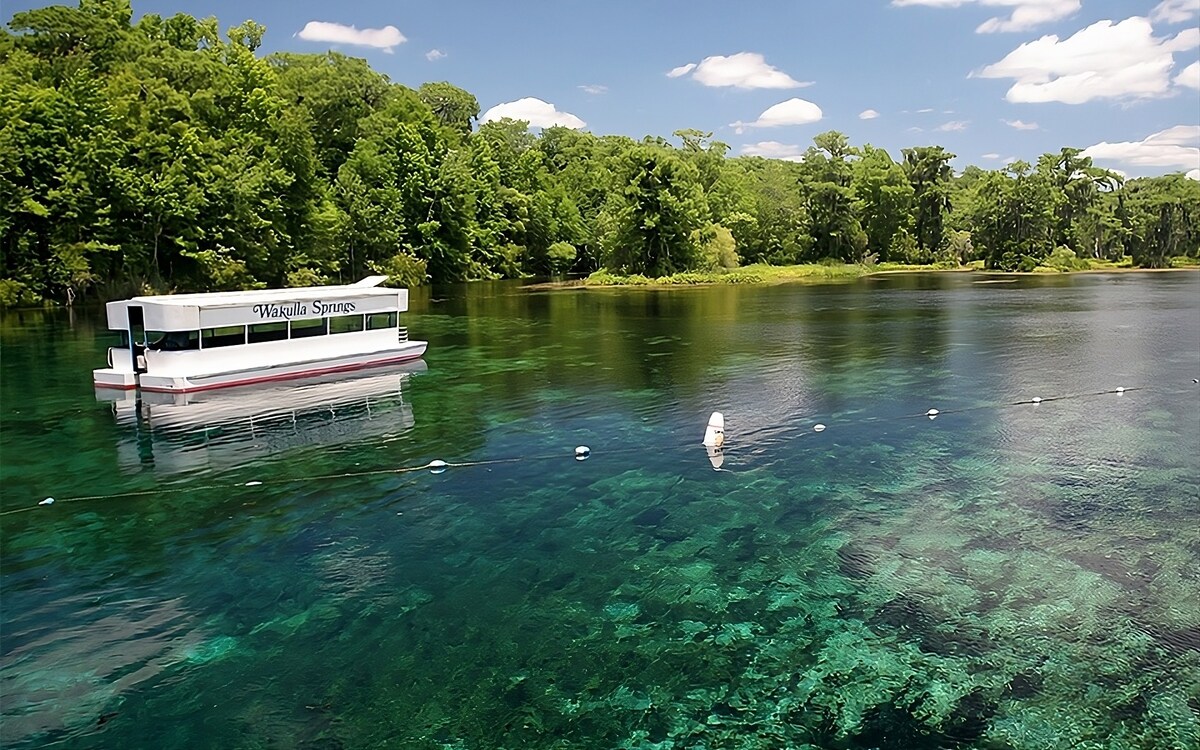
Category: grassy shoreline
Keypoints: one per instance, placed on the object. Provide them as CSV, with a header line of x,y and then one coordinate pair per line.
x,y
760,274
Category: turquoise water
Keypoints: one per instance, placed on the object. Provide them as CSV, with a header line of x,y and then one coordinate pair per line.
x,y
1007,575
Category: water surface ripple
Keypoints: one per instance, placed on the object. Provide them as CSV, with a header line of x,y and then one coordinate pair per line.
x,y
1005,575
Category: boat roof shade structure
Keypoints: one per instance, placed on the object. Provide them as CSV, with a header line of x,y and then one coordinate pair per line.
x,y
208,309
252,296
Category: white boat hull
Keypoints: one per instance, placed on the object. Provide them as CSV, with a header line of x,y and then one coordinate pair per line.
x,y
109,378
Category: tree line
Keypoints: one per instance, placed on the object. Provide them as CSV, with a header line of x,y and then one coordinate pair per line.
x,y
161,155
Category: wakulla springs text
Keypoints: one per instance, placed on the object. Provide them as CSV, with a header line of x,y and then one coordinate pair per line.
x,y
291,310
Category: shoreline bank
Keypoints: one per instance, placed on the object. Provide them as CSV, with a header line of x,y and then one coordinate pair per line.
x,y
760,275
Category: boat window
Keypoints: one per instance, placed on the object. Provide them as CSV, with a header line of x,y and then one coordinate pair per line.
x,y
211,338
346,324
311,327
381,320
267,332
172,341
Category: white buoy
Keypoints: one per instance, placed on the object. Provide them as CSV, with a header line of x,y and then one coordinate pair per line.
x,y
1120,390
255,483
819,428
47,501
716,456
932,413
714,433
1037,399
437,466
582,452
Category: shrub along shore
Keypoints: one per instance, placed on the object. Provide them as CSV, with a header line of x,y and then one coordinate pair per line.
x,y
818,273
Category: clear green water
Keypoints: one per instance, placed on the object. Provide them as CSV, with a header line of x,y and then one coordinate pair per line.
x,y
1003,576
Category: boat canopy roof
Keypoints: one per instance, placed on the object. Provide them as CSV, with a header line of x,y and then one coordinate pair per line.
x,y
189,312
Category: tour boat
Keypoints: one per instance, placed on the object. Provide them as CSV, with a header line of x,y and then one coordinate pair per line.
x,y
180,343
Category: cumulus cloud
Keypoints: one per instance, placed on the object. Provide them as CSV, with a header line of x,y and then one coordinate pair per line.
x,y
434,55
1193,174
868,114
745,70
335,33
1105,60
537,113
594,88
790,112
774,150
954,126
1175,11
1025,14
1021,125
1189,76
1176,148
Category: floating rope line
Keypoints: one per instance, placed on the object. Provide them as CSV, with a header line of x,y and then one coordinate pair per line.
x,y
581,453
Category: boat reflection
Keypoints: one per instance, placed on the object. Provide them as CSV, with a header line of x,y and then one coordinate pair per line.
x,y
176,432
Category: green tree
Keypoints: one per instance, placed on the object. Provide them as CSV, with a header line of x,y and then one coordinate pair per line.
x,y
929,173
883,198
655,214
337,92
455,108
1014,218
829,199
774,226
1163,215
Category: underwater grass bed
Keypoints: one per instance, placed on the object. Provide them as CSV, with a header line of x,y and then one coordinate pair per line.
x,y
759,611
1008,575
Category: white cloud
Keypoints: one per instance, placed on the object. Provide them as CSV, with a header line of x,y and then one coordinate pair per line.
x,y
991,156
537,113
1177,148
790,112
868,114
1029,15
594,88
774,150
1021,124
745,70
434,54
1104,60
1189,76
1193,174
335,33
1026,14
1175,11
954,126
925,111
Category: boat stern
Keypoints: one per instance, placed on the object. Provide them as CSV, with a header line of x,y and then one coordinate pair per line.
x,y
108,377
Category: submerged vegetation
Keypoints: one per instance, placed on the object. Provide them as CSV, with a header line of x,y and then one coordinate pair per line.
x,y
159,155
1008,576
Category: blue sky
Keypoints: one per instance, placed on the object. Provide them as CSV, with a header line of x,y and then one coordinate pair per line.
x,y
991,80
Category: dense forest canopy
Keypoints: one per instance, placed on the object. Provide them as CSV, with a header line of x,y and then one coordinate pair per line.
x,y
163,155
